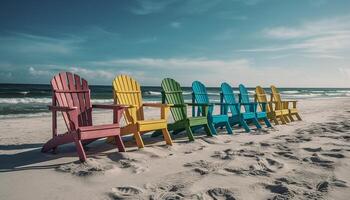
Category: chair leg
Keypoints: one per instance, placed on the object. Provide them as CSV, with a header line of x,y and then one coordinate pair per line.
x,y
282,119
212,128
298,116
189,133
286,118
120,144
228,128
139,140
256,122
208,130
267,122
245,126
291,117
275,120
80,149
167,137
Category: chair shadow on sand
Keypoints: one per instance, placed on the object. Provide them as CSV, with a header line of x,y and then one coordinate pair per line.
x,y
31,157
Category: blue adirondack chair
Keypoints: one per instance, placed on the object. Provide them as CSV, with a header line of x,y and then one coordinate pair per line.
x,y
238,116
252,106
200,96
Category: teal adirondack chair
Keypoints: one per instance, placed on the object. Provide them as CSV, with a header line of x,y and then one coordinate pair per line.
x,y
238,116
200,95
252,106
172,94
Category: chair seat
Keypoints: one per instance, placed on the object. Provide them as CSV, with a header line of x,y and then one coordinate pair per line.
x,y
147,125
293,110
194,121
219,118
98,127
260,115
98,131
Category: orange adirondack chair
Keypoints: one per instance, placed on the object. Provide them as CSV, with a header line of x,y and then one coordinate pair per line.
x,y
71,96
128,92
292,108
274,109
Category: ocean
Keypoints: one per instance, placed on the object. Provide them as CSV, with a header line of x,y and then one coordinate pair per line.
x,y
26,100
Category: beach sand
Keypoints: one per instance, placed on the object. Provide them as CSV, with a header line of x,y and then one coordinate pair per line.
x,y
307,159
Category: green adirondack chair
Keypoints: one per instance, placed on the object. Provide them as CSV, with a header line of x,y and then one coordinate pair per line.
x,y
172,94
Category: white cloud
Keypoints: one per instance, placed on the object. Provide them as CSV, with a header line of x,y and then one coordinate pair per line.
x,y
93,73
329,38
36,72
175,24
212,72
35,44
147,40
146,7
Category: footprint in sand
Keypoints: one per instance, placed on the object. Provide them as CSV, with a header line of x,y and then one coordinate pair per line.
x,y
264,144
287,154
168,191
310,149
333,155
88,168
126,192
274,164
259,169
249,153
221,194
315,159
133,164
227,154
204,167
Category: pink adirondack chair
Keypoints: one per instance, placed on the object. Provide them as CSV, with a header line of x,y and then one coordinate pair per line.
x,y
71,96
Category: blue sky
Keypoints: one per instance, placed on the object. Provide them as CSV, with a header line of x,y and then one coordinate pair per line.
x,y
290,43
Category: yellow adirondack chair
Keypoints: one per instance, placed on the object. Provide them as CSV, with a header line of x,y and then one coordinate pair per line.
x,y
128,92
274,111
292,110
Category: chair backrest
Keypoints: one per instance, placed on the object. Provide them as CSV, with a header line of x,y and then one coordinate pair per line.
x,y
200,95
69,90
128,92
172,94
229,97
260,96
244,98
275,94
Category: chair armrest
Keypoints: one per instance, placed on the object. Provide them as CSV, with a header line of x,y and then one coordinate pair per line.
x,y
290,101
110,106
226,104
250,103
62,108
160,105
177,105
199,104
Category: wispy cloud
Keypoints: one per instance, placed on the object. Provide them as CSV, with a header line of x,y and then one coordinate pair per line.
x,y
34,44
328,38
175,24
145,7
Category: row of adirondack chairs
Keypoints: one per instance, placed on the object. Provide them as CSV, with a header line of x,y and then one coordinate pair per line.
x,y
71,97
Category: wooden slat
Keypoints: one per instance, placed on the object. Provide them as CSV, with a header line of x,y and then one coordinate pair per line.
x,y
74,95
88,105
128,92
83,114
170,85
56,84
229,97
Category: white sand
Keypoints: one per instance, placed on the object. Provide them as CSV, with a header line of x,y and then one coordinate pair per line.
x,y
301,160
